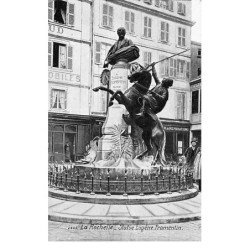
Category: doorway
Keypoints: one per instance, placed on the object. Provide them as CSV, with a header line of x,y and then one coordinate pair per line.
x,y
70,140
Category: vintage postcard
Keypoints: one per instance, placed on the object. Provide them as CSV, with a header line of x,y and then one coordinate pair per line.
x,y
124,120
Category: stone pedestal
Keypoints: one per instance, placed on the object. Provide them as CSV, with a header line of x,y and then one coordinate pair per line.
x,y
118,81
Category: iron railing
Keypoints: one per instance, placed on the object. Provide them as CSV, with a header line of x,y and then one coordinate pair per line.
x,y
89,180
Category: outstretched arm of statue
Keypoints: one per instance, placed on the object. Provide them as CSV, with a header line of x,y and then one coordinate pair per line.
x,y
157,81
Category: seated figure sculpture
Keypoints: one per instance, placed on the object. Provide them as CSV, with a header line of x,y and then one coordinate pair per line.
x,y
122,49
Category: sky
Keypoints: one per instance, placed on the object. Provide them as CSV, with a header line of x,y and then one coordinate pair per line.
x,y
196,17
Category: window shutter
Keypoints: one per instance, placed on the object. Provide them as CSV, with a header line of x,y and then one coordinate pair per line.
x,y
127,16
105,15
162,31
162,68
178,106
97,52
50,54
132,23
110,17
167,32
171,67
50,10
188,70
175,67
71,15
65,99
70,57
171,5
145,58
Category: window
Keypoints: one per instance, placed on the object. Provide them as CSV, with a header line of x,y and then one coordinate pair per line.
x,y
163,66
172,67
130,22
147,57
181,105
181,9
107,16
61,12
147,27
101,50
148,1
195,102
181,68
164,32
58,99
165,4
199,71
60,55
181,37
199,53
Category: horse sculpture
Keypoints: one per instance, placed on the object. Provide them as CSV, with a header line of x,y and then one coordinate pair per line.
x,y
138,97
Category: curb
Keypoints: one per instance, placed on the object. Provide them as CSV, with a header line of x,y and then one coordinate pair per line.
x,y
121,200
123,221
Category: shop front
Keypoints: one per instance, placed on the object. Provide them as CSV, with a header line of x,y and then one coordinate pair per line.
x,y
69,135
177,138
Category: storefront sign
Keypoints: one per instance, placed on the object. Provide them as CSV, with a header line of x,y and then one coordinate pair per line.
x,y
64,77
55,29
175,129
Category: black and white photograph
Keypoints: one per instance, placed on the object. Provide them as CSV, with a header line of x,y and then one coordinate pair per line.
x,y
124,117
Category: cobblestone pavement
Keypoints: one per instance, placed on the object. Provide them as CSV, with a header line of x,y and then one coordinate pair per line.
x,y
187,231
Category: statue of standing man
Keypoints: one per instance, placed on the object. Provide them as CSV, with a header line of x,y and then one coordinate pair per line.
x,y
123,49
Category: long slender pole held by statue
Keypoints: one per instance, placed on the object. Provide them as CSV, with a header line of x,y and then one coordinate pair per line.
x,y
166,58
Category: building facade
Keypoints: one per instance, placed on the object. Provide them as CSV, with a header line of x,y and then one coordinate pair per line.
x,y
195,87
69,76
160,29
80,35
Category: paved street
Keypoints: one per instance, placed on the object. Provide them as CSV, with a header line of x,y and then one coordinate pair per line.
x,y
187,231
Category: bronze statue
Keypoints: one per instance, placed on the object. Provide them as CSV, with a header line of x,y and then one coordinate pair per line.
x,y
122,49
143,105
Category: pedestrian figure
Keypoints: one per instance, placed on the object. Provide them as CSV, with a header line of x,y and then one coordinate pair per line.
x,y
67,152
190,154
197,168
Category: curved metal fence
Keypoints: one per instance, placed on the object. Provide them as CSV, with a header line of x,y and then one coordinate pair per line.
x,y
88,180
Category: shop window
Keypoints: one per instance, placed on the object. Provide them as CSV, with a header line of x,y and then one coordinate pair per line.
x,y
58,128
70,128
195,102
164,32
58,99
61,12
130,22
147,27
181,37
107,16
169,148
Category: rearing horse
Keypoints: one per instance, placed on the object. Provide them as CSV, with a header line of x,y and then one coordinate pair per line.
x,y
132,97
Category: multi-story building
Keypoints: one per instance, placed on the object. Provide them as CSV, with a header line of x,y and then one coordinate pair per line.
x,y
69,75
160,29
195,86
80,35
